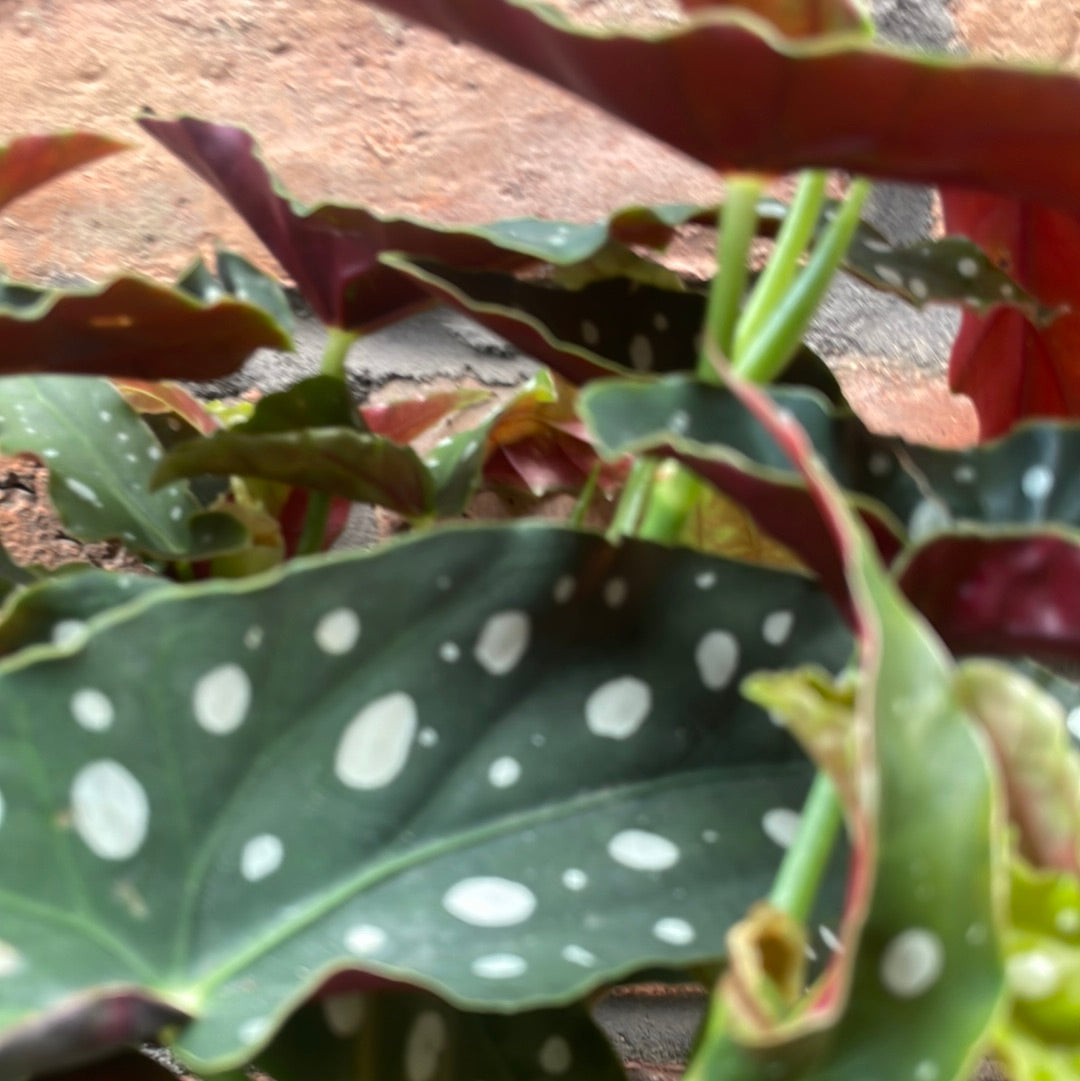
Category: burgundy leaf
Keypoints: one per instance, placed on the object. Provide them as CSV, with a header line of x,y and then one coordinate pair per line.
x,y
137,329
1012,595
733,99
795,18
1008,366
32,160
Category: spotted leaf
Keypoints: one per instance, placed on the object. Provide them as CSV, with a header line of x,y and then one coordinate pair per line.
x,y
332,252
290,743
950,270
918,980
101,457
130,327
411,1036
58,609
310,436
734,96
709,431
237,277
32,160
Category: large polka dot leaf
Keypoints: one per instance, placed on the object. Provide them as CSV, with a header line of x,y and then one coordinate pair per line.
x,y
32,160
101,457
219,795
309,436
606,327
412,1036
918,981
57,609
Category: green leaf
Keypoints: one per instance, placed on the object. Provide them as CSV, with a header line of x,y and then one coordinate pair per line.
x,y
32,160
238,278
101,457
919,979
310,436
387,1035
951,269
130,327
508,764
58,609
1036,1039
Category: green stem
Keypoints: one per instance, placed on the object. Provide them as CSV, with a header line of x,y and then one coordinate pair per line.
x,y
776,342
675,492
738,225
775,280
804,864
632,502
585,498
315,518
312,536
338,344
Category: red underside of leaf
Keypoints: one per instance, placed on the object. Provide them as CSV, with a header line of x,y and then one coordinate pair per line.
x,y
1009,367
32,160
727,97
1012,596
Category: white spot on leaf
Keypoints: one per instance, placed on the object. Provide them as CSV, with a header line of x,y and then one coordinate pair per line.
x,y
829,937
564,589
555,1057
705,579
109,810
450,652
578,955
375,745
503,642
926,1071
424,1047
364,939
67,631
888,275
674,931
641,353
717,658
83,491
1033,975
918,288
488,901
261,857
618,708
967,267
615,592
504,772
221,699
11,961
344,1014
499,966
1037,482
641,850
253,1030
590,332
781,825
912,963
92,709
338,631
573,878
776,628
